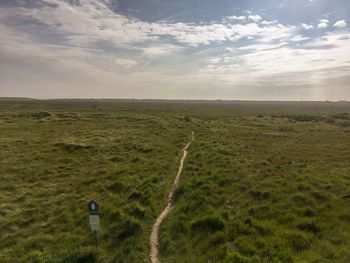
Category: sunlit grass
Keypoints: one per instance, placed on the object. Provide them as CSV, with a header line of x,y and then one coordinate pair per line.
x,y
261,183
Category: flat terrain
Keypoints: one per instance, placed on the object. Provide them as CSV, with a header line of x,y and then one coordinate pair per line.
x,y
262,182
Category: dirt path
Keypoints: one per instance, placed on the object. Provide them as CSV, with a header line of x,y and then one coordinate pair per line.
x,y
165,212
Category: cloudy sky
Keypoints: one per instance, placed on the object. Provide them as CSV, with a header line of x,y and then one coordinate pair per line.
x,y
176,49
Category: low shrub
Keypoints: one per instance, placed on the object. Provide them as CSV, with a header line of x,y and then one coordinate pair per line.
x,y
41,114
211,223
187,118
117,187
129,228
136,210
298,241
237,258
72,147
138,196
217,239
312,227
246,246
86,255
260,195
304,118
342,116
286,129
178,227
319,196
309,212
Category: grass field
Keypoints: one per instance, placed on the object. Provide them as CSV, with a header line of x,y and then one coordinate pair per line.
x,y
263,182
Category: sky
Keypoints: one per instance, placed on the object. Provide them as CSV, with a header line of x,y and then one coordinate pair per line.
x,y
175,49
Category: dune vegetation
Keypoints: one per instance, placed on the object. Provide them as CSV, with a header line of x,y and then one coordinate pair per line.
x,y
262,182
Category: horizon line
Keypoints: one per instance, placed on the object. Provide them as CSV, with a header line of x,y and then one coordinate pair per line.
x,y
162,99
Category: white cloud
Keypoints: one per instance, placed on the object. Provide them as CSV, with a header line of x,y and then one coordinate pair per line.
x,y
269,22
240,18
306,26
92,22
340,24
299,38
277,32
255,18
195,35
214,60
160,50
126,63
261,61
260,47
322,25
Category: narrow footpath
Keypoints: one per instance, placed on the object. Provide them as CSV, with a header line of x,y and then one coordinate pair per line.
x,y
155,229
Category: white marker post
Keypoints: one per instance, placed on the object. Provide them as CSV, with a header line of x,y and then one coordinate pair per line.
x,y
94,218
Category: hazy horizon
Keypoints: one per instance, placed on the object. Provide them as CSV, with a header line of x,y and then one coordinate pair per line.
x,y
170,100
270,50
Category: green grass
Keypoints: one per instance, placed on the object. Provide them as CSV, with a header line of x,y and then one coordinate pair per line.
x,y
263,182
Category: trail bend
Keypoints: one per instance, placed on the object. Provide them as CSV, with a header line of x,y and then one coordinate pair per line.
x,y
170,204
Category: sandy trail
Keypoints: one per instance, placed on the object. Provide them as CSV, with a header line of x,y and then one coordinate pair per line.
x,y
165,212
